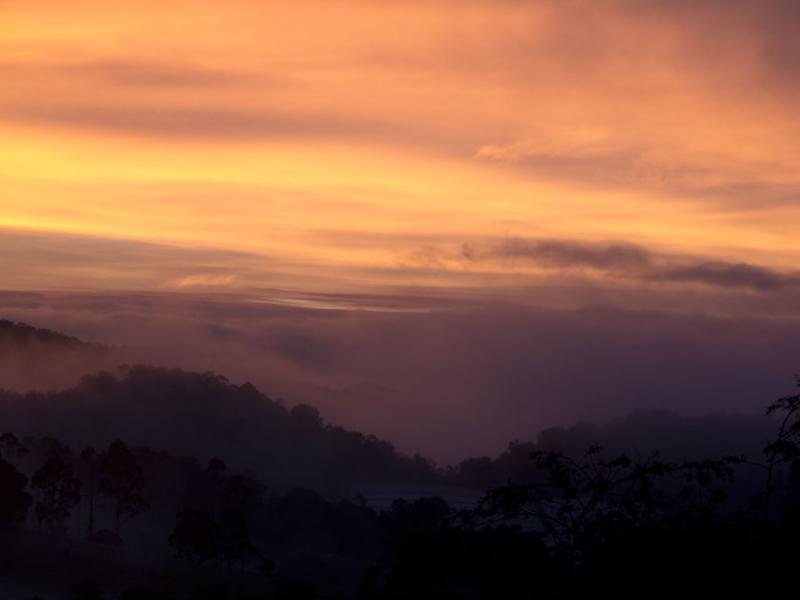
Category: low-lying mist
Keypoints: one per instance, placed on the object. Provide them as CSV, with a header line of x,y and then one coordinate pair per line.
x,y
449,382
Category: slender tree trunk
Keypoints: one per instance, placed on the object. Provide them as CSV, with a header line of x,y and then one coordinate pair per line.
x,y
91,512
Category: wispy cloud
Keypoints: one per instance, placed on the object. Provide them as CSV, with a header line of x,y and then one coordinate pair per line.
x,y
522,128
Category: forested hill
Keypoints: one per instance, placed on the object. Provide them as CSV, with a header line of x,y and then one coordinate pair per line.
x,y
41,359
58,385
20,335
203,414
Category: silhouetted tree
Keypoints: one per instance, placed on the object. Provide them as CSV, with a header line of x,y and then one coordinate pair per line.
x,y
122,479
11,449
267,567
582,498
432,555
90,473
137,593
785,448
240,499
57,493
14,501
49,447
306,415
410,523
87,590
216,466
224,532
196,537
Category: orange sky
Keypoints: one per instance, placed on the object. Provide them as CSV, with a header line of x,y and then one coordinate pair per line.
x,y
336,146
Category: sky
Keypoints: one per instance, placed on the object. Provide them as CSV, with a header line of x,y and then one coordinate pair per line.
x,y
411,160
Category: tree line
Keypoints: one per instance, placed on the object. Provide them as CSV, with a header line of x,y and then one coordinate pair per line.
x,y
58,484
589,524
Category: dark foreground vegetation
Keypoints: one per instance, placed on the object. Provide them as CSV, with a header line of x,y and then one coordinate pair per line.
x,y
135,523
163,484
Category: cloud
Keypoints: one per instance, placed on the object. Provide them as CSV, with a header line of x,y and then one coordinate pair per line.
x,y
72,261
633,262
188,122
570,254
176,120
128,72
204,281
730,275
669,172
476,270
766,27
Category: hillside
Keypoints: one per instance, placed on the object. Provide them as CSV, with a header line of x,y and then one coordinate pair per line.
x,y
41,359
205,415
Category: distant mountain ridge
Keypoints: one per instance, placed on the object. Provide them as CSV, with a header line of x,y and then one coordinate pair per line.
x,y
21,334
44,390
41,359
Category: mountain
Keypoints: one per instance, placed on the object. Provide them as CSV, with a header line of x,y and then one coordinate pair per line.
x,y
40,359
203,414
673,437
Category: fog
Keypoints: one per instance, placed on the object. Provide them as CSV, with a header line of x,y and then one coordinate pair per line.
x,y
448,382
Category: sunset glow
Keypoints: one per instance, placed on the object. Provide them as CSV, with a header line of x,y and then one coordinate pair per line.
x,y
352,145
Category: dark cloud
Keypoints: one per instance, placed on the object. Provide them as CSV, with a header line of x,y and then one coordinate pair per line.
x,y
563,253
634,262
730,275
